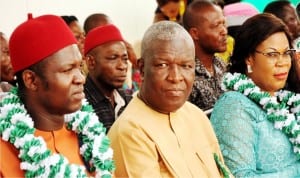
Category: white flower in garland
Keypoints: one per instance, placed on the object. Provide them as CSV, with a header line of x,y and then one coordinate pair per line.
x,y
16,126
283,109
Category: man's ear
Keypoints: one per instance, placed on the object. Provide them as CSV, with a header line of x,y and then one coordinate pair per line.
x,y
30,79
90,61
194,33
141,64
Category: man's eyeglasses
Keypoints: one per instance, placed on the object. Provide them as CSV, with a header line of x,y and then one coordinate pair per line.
x,y
275,55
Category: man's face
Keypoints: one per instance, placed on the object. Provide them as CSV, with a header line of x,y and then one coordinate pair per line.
x,y
168,72
61,89
171,9
212,31
292,21
110,64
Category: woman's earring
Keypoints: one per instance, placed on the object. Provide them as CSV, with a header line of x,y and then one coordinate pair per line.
x,y
249,69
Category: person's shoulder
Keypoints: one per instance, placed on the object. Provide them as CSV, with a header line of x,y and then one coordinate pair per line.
x,y
193,109
233,97
198,121
127,97
191,106
134,109
231,94
233,102
134,117
220,63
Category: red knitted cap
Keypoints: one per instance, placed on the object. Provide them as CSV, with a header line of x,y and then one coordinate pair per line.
x,y
101,35
38,38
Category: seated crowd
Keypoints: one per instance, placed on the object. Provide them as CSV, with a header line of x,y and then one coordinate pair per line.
x,y
215,93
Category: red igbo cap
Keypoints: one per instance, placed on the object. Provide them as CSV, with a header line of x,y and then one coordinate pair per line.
x,y
38,38
101,35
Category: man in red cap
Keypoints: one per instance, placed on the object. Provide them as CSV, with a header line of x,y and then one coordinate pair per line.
x,y
133,80
107,62
46,115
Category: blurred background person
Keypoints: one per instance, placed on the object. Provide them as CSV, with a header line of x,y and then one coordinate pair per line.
x,y
133,80
235,13
170,10
107,62
286,11
230,41
95,20
77,30
7,72
205,22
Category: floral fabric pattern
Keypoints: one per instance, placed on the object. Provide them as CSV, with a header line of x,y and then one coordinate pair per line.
x,y
207,88
250,144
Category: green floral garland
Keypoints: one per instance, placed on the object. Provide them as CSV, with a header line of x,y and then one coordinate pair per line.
x,y
16,126
283,109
